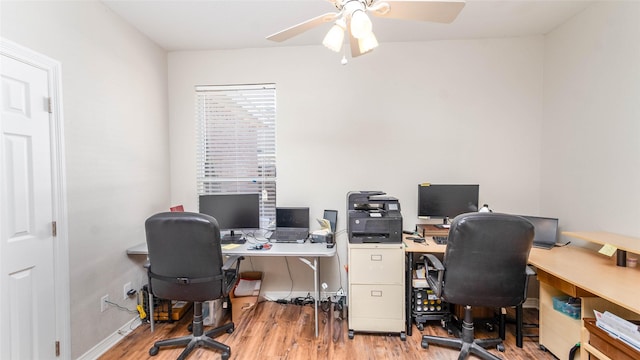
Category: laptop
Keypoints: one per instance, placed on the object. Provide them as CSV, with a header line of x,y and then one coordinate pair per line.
x,y
292,224
546,231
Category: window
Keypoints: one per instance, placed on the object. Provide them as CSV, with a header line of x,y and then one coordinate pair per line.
x,y
236,144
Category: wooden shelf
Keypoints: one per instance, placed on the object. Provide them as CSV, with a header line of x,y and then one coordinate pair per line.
x,y
622,242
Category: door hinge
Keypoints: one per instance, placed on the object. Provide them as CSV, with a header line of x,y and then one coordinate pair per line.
x,y
50,105
57,348
54,228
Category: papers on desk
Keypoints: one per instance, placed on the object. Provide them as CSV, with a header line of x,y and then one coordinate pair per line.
x,y
419,278
248,288
230,246
608,250
619,328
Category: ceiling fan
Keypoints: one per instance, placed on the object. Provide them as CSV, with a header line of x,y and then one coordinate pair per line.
x,y
352,18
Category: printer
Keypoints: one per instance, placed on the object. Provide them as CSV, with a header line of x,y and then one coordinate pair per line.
x,y
373,217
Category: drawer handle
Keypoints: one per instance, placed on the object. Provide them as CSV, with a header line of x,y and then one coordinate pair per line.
x,y
376,257
376,293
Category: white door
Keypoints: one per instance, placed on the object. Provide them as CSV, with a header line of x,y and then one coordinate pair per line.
x,y
27,301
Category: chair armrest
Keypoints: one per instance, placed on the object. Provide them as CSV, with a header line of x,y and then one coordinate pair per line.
x,y
232,259
231,273
435,283
434,261
530,271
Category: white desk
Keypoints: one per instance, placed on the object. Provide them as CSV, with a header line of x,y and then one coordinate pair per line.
x,y
301,251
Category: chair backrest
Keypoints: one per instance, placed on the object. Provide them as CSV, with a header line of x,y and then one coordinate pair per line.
x,y
184,245
486,258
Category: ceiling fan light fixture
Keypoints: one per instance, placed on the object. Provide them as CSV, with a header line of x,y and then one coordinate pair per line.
x,y
367,43
360,24
334,38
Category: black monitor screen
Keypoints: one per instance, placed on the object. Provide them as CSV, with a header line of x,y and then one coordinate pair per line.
x,y
442,201
291,217
546,231
233,211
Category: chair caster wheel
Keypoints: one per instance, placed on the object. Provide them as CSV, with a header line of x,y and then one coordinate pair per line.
x,y
489,327
543,348
403,336
154,351
420,327
351,334
500,347
424,344
225,356
230,330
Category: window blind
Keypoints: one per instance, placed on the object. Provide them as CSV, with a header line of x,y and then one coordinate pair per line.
x,y
236,142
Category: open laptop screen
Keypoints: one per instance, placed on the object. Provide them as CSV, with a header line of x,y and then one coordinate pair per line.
x,y
291,217
546,231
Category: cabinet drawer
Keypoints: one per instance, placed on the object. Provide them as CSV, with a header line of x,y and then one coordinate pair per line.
x,y
376,266
564,286
377,301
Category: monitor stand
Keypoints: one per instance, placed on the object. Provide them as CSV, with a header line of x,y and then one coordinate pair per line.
x,y
233,238
445,224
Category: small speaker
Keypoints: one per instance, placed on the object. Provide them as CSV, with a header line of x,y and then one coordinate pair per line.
x,y
330,240
332,216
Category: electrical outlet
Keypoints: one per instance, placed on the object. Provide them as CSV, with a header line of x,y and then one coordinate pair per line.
x,y
125,290
103,303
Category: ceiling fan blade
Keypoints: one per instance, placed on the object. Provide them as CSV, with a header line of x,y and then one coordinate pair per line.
x,y
420,10
302,27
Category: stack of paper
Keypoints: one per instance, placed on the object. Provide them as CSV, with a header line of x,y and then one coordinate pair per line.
x,y
419,278
619,328
248,288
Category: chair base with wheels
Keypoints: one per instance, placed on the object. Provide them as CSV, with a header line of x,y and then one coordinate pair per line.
x,y
198,337
466,343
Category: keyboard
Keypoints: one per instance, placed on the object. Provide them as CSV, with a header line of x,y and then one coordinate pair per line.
x,y
441,240
289,236
234,240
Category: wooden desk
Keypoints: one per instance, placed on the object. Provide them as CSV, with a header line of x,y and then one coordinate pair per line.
x,y
595,278
410,248
431,230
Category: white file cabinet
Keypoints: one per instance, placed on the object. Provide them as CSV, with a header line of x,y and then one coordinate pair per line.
x,y
377,289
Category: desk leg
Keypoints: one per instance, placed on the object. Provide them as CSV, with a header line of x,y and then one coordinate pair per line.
x,y
151,310
408,290
316,280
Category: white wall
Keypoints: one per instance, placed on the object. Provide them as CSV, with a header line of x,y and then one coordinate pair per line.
x,y
591,127
440,112
114,85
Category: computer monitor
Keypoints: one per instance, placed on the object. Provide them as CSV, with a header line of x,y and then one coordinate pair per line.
x,y
232,211
446,201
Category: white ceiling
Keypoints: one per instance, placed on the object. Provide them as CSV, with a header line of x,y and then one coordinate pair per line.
x,y
232,24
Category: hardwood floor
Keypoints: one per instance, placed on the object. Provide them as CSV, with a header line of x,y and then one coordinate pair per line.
x,y
275,331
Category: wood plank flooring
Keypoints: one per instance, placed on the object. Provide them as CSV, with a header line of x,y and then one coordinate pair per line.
x,y
275,331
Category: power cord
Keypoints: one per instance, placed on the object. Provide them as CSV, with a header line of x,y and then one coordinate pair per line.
x,y
120,307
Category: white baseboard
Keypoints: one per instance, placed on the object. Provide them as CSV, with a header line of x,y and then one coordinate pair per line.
x,y
111,340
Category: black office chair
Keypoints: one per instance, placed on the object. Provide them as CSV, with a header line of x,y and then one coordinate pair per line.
x,y
484,264
185,263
